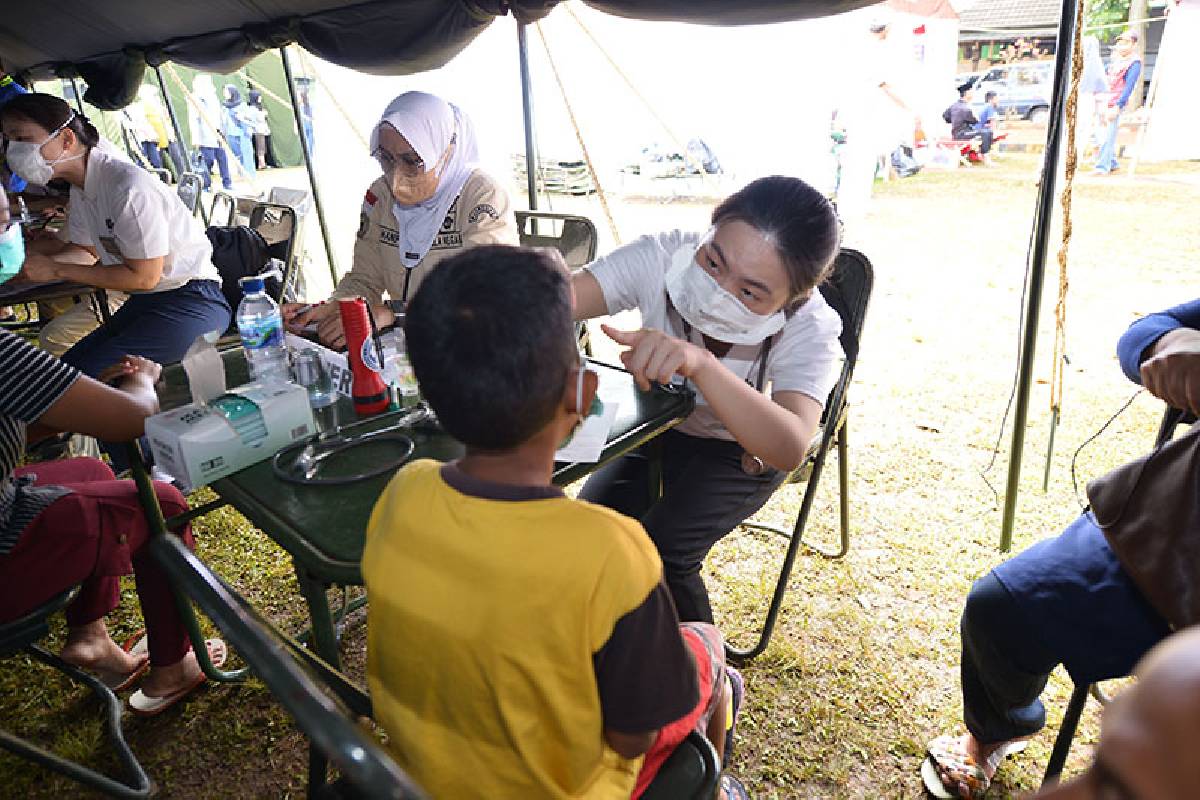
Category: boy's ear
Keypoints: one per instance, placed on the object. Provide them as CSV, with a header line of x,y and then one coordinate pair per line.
x,y
591,383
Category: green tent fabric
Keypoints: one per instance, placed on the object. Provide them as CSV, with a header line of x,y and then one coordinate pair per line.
x,y
110,45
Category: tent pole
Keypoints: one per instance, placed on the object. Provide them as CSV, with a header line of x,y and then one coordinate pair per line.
x,y
527,110
78,96
162,87
304,151
1037,270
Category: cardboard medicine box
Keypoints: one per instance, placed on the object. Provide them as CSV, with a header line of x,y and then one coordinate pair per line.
x,y
199,444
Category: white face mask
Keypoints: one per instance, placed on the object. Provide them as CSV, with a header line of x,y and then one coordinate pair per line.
x,y
26,159
706,306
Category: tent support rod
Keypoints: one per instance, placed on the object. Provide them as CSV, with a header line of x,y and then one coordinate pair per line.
x,y
1037,270
527,111
78,96
305,150
162,87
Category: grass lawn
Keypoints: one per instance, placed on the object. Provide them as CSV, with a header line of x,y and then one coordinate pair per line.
x,y
863,668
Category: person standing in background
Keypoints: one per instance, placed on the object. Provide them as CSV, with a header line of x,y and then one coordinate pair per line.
x,y
871,118
262,131
1124,72
205,114
1092,85
159,121
236,125
147,137
303,89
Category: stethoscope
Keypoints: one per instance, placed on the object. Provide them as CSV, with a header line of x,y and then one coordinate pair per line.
x,y
301,463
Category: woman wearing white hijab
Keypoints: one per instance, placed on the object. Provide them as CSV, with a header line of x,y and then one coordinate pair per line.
x,y
432,201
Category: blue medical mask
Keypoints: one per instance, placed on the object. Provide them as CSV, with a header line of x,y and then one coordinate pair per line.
x,y
12,251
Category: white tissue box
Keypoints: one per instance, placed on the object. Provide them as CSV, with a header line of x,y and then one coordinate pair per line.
x,y
199,444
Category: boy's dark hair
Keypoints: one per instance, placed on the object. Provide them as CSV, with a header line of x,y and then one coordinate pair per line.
x,y
797,218
989,96
491,341
49,112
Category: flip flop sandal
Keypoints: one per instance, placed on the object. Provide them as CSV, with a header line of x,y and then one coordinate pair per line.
x,y
135,645
143,705
948,753
737,686
733,789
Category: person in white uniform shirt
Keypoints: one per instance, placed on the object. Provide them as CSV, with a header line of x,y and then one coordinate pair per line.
x,y
735,313
135,231
432,201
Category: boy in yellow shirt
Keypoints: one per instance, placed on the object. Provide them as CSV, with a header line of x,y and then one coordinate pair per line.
x,y
521,643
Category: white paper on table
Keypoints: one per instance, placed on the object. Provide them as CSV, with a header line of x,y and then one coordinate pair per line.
x,y
587,443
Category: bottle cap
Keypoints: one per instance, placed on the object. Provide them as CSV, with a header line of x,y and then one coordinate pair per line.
x,y
251,284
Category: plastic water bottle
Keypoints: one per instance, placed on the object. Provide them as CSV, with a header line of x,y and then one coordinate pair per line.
x,y
398,371
261,327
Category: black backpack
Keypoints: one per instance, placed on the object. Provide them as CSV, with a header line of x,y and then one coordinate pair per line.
x,y
240,251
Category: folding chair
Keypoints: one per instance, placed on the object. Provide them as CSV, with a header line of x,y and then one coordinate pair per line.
x,y
190,187
323,702
223,209
847,291
572,235
690,773
22,635
1172,419
279,225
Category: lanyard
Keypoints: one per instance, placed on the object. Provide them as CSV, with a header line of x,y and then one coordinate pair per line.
x,y
764,350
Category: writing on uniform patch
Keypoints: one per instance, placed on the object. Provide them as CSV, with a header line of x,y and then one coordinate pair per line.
x,y
480,211
389,236
446,241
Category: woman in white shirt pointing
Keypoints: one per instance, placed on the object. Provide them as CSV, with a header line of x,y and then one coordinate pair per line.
x,y
734,312
140,235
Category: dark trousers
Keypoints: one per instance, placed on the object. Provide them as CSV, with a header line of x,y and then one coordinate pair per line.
x,y
217,154
1010,644
160,326
705,495
91,537
152,153
986,137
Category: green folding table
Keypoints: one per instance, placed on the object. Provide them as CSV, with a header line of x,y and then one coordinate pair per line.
x,y
323,527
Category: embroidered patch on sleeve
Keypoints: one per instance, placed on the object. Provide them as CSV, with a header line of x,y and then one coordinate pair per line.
x,y
364,223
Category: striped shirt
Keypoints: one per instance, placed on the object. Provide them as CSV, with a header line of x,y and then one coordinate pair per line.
x,y
31,381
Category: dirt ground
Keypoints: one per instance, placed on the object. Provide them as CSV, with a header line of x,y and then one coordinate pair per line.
x,y
863,668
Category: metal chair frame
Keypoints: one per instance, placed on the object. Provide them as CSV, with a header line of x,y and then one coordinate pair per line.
x,y
191,185
851,306
575,251
21,635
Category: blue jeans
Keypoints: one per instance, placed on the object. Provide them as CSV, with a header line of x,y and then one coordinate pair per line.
x,y
150,150
1065,601
1106,161
160,326
217,154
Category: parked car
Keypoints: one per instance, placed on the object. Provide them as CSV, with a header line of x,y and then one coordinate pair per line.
x,y
1023,88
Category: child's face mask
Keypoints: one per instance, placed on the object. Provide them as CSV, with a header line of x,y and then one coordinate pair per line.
x,y
595,409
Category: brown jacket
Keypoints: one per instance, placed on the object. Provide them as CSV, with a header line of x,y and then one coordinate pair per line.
x,y
482,214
